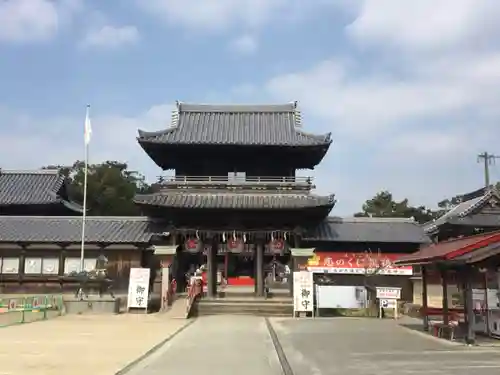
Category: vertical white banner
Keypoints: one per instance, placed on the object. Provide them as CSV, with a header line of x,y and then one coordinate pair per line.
x,y
138,288
303,291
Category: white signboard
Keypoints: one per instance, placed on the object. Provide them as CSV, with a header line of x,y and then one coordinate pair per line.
x,y
388,293
340,297
303,291
138,288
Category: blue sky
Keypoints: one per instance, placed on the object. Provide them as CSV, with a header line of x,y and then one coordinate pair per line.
x,y
409,90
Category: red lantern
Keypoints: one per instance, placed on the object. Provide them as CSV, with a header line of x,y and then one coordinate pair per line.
x,y
235,245
278,244
192,245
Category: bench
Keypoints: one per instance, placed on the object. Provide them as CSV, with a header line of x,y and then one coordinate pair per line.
x,y
438,326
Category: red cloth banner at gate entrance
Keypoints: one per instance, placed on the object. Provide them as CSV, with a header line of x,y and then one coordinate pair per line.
x,y
357,264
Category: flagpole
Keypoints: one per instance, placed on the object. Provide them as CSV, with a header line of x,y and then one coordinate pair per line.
x,y
85,173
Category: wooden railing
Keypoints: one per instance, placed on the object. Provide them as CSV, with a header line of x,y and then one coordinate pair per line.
x,y
195,289
235,180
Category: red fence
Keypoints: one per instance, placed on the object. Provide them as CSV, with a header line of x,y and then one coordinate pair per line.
x,y
194,290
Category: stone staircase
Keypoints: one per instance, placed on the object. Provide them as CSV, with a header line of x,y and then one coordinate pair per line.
x,y
240,305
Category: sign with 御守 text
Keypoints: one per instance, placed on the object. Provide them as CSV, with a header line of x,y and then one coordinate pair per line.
x,y
138,288
303,291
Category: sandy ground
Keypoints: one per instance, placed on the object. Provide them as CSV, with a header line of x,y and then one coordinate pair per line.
x,y
82,344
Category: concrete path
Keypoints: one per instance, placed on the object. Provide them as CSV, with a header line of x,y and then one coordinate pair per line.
x,y
228,345
81,344
371,346
218,345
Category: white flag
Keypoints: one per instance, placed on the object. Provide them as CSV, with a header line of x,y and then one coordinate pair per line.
x,y
88,127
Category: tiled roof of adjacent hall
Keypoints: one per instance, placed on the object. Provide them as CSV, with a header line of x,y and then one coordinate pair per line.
x,y
68,229
262,125
462,210
369,229
235,200
35,187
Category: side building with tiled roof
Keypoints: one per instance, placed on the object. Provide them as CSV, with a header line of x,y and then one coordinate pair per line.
x,y
41,230
35,192
474,214
477,212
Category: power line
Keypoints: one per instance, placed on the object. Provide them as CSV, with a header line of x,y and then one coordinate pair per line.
x,y
487,159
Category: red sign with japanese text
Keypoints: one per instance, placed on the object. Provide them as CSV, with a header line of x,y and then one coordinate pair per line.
x,y
357,263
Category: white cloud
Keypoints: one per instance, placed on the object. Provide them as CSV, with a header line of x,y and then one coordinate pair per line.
x,y
417,134
215,14
424,24
110,36
412,123
221,15
34,20
245,45
113,138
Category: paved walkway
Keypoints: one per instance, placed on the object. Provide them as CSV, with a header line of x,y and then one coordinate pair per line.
x,y
81,344
228,345
359,346
218,345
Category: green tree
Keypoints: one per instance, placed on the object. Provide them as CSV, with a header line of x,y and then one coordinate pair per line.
x,y
111,187
384,205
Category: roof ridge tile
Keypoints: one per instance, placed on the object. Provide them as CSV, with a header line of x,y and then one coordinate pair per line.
x,y
30,171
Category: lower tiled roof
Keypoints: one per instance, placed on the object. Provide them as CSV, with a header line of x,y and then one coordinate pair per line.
x,y
367,229
236,201
44,229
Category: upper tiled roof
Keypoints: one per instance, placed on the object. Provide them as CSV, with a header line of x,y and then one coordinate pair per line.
x,y
37,187
366,229
461,210
236,201
267,125
67,229
30,187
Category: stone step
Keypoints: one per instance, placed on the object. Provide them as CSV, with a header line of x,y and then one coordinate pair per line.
x,y
256,308
247,301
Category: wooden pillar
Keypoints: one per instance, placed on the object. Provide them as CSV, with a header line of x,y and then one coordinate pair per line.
x,y
212,270
259,272
424,297
290,276
486,305
469,307
444,285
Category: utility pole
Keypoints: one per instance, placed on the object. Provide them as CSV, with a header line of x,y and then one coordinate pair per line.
x,y
488,159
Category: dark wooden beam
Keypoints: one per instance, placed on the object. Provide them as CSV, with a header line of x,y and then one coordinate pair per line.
x,y
424,297
444,283
469,306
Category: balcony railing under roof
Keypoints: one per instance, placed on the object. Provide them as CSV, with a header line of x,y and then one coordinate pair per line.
x,y
238,182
